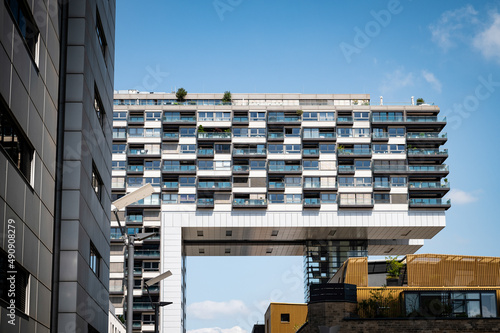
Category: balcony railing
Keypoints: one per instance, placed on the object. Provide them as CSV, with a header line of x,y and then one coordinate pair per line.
x,y
428,168
430,202
171,185
428,119
275,135
426,135
310,152
320,135
205,202
356,202
354,151
170,135
285,168
380,135
205,152
249,151
147,253
214,135
312,185
135,119
345,119
276,185
240,119
119,135
312,201
346,168
284,119
135,168
429,185
179,168
134,151
214,185
386,119
181,119
241,168
428,151
381,185
249,202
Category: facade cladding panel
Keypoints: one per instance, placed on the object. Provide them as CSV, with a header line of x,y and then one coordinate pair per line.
x,y
51,136
326,177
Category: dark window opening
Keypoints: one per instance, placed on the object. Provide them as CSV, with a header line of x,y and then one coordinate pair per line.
x,y
285,317
100,34
97,183
94,259
19,290
25,23
98,107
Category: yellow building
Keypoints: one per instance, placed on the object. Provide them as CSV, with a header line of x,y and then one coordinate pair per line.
x,y
285,317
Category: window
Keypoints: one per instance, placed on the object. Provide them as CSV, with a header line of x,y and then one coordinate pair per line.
x,y
152,132
153,116
152,165
98,106
119,149
397,149
257,116
117,182
327,149
154,181
187,131
136,131
21,282
100,34
149,266
398,181
187,149
223,165
275,149
361,116
293,132
257,165
310,116
276,198
187,181
382,198
344,132
311,165
120,115
362,165
205,165
361,132
398,132
222,148
118,165
328,197
327,116
285,317
294,198
97,183
119,133
94,259
257,132
25,23
292,149
293,181
169,198
187,198
14,144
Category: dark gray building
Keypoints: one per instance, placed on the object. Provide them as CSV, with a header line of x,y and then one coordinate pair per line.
x,y
56,86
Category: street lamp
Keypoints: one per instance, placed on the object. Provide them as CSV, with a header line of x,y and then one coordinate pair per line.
x,y
157,305
118,204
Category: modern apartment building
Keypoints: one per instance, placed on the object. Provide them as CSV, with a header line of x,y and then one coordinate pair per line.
x,y
56,86
326,177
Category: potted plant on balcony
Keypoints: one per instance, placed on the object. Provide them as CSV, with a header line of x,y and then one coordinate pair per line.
x,y
394,267
201,129
420,101
226,99
365,102
355,102
181,94
340,149
299,112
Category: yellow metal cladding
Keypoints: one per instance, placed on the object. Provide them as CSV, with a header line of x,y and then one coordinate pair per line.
x,y
357,271
297,316
436,270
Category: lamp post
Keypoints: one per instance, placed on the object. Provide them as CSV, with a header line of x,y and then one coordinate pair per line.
x,y
123,202
157,305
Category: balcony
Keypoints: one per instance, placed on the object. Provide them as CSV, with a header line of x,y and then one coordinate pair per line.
x,y
249,152
249,203
435,187
205,152
430,203
381,186
170,136
310,152
390,169
387,119
441,170
142,152
293,169
136,119
384,136
428,153
137,169
205,203
284,119
357,203
170,186
346,170
320,136
240,120
276,186
241,169
354,152
415,122
427,137
224,136
147,254
118,185
311,203
119,136
184,169
314,186
179,120
275,136
345,120
213,186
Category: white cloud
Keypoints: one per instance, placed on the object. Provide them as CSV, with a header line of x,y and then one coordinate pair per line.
x,y
449,27
395,80
488,41
432,80
235,329
461,197
210,309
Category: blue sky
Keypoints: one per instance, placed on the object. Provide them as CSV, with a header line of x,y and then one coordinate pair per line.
x,y
447,52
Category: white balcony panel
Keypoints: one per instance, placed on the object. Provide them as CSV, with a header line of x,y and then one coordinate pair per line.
x,y
316,124
389,156
350,140
222,157
215,124
187,140
153,124
250,140
249,190
214,173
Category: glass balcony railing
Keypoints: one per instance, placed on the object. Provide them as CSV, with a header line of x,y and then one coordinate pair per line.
x,y
428,151
320,135
136,168
310,152
312,201
428,119
241,168
205,152
387,119
149,201
426,135
354,151
141,306
118,185
181,119
380,135
346,168
214,135
355,184
115,235
249,151
312,185
429,185
275,135
276,185
133,219
428,168
170,135
285,168
179,167
214,185
147,253
249,202
170,185
430,202
240,119
119,135
135,119
138,151
344,119
283,119
381,185
392,168
389,151
356,202
205,202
